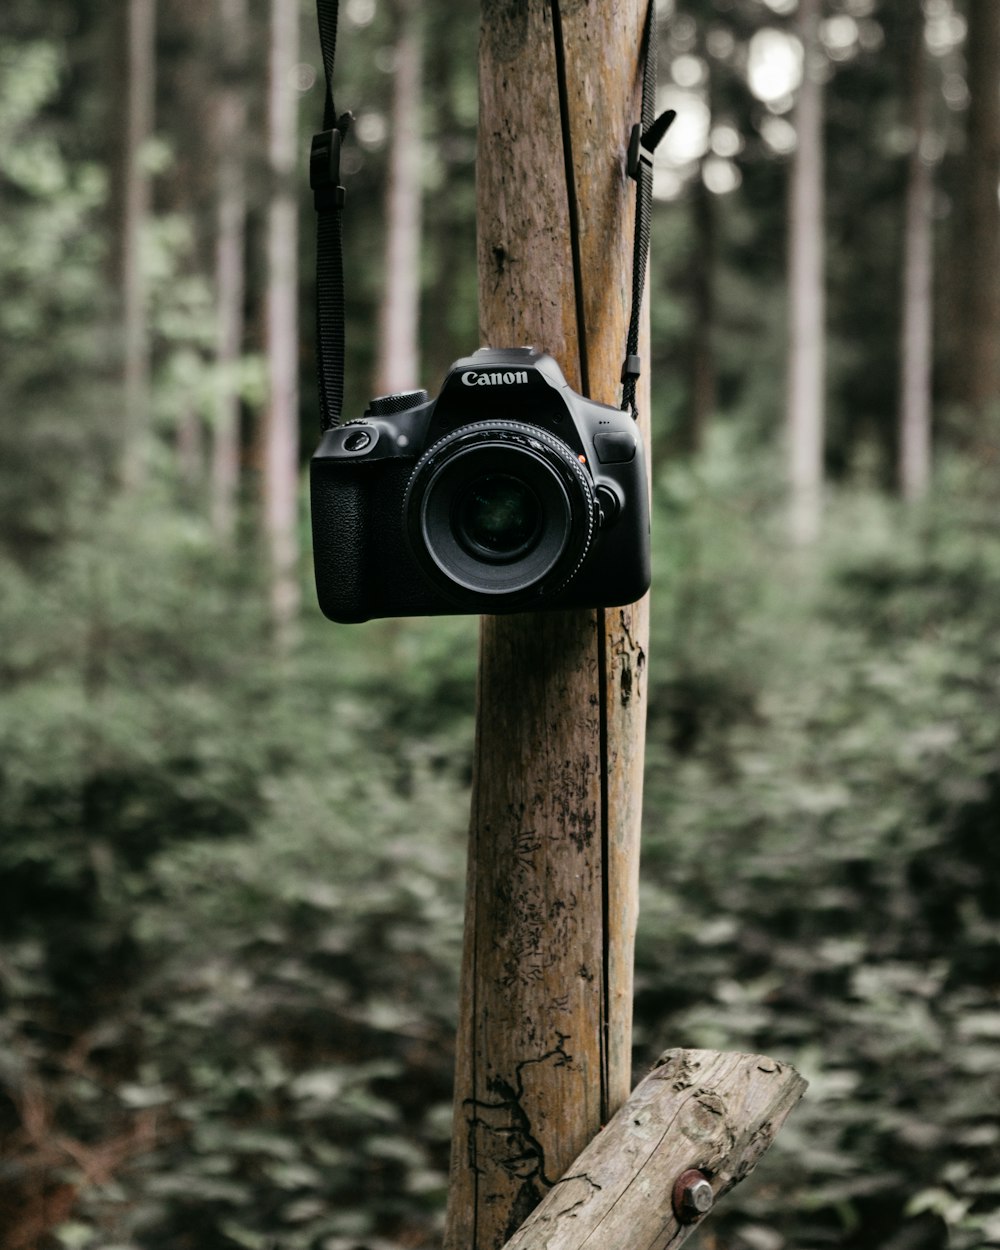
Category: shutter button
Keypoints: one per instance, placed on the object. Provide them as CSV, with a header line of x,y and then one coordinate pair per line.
x,y
357,440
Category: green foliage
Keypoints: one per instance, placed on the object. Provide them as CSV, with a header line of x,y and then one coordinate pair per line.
x,y
48,245
52,350
819,871
232,887
230,897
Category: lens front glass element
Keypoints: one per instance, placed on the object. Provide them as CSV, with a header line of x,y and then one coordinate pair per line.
x,y
498,511
498,517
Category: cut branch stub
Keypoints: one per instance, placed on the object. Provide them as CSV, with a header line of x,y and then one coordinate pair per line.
x,y
697,1111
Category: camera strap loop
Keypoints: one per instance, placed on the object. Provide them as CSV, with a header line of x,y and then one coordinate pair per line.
x,y
329,196
328,200
642,143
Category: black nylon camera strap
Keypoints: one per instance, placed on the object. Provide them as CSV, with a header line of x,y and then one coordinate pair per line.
x,y
329,197
646,134
328,200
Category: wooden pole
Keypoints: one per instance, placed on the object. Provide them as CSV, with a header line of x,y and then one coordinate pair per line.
x,y
544,1036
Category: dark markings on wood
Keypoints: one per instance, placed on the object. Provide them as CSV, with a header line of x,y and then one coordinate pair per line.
x,y
501,1135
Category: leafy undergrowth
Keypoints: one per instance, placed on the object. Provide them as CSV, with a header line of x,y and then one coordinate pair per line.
x,y
230,887
822,860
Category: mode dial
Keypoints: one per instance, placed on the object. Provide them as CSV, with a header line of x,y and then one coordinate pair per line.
x,y
386,405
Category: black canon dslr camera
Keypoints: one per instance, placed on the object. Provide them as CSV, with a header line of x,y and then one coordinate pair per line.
x,y
507,493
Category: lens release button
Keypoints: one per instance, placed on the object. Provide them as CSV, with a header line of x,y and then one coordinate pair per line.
x,y
610,505
615,448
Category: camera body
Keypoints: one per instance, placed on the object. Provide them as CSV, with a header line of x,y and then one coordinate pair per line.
x,y
507,493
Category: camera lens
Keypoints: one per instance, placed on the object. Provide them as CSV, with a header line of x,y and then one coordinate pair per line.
x,y
498,517
499,513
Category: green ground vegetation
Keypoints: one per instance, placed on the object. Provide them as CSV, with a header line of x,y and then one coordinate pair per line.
x,y
231,887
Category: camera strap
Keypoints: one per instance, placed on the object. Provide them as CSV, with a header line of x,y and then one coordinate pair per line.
x,y
328,200
329,196
646,134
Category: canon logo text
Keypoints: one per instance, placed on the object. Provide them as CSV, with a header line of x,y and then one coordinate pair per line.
x,y
470,378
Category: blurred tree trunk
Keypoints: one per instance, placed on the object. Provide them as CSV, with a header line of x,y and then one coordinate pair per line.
x,y
979,241
703,389
190,448
916,336
229,263
140,18
398,363
448,238
281,422
805,418
702,276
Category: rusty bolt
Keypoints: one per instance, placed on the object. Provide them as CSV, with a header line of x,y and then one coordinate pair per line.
x,y
693,1196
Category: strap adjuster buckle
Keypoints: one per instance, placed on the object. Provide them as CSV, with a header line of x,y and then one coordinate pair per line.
x,y
324,171
637,154
631,368
642,145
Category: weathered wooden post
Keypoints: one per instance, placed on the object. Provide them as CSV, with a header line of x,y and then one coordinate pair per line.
x,y
545,1030
544,1036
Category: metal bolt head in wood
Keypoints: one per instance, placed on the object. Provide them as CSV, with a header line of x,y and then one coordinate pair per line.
x,y
693,1196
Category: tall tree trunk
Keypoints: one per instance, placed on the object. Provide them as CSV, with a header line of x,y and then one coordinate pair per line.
x,y
398,363
229,264
703,391
544,1042
141,67
805,418
281,432
190,449
916,345
702,269
980,236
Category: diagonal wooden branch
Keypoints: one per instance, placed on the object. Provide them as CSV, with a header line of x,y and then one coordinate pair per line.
x,y
697,1109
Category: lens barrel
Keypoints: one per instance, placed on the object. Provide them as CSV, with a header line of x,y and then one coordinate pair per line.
x,y
499,511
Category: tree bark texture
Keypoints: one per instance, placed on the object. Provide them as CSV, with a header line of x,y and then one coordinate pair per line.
x,y
281,432
545,1016
805,419
698,1109
916,334
398,364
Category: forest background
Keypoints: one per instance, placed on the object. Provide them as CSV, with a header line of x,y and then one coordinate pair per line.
x,y
231,833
